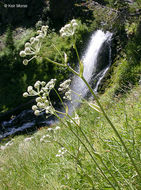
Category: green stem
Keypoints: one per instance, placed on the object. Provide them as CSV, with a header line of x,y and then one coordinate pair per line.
x,y
60,112
57,50
60,98
74,45
72,70
93,158
54,62
94,150
87,151
99,104
113,127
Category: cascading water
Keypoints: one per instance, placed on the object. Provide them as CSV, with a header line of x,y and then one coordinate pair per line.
x,y
94,71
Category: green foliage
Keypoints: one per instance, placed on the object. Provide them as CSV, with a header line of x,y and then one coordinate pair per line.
x,y
126,69
32,164
9,42
15,77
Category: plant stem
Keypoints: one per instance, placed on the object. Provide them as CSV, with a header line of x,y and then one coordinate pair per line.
x,y
88,152
54,62
113,127
100,158
102,109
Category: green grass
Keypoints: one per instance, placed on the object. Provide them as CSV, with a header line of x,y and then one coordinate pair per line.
x,y
34,165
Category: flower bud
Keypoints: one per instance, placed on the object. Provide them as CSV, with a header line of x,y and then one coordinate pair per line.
x,y
60,89
39,31
38,99
37,112
74,24
62,30
27,50
73,21
39,104
40,36
30,88
36,40
44,28
47,102
22,54
64,34
34,107
37,84
25,94
27,45
25,62
43,83
67,26
47,111
32,40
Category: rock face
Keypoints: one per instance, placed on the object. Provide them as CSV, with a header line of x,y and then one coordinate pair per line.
x,y
103,59
26,121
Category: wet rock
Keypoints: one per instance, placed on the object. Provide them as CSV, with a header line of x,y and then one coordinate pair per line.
x,y
25,121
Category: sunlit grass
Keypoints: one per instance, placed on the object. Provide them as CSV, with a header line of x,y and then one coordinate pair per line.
x,y
33,164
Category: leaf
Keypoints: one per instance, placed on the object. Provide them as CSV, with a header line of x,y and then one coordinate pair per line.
x,y
95,107
89,179
67,109
65,58
81,68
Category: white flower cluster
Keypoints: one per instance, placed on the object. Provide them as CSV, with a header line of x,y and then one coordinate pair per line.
x,y
67,95
28,139
69,29
45,138
65,87
42,91
32,47
53,129
61,152
48,138
6,145
76,119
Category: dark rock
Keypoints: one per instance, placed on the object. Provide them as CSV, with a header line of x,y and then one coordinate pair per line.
x,y
103,57
7,115
26,121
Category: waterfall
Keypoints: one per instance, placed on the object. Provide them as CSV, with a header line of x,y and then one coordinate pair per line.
x,y
94,69
95,66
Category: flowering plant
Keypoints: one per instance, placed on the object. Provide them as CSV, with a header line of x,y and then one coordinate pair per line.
x,y
43,103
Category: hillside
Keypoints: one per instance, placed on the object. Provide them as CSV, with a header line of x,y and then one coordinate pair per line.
x,y
97,146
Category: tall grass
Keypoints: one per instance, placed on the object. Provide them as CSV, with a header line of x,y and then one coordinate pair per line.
x,y
31,164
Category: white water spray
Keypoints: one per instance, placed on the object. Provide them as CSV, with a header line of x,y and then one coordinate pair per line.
x,y
91,70
90,63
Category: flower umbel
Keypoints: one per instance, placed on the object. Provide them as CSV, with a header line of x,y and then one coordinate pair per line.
x,y
65,87
32,47
42,90
61,152
69,29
